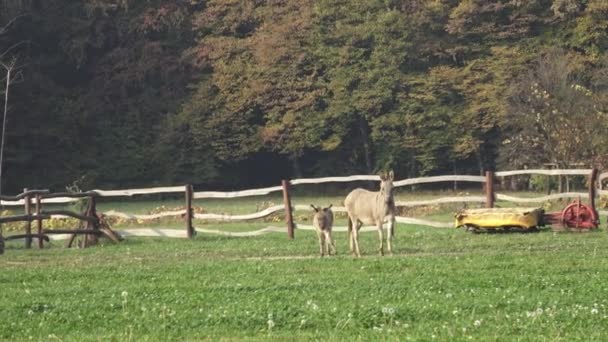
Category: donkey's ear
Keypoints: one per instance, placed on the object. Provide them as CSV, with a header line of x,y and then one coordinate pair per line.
x,y
315,208
328,207
391,175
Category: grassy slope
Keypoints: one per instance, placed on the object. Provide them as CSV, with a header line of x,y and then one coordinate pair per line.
x,y
441,283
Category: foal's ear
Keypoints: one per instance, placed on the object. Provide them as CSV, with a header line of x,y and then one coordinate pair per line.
x,y
325,209
391,175
315,208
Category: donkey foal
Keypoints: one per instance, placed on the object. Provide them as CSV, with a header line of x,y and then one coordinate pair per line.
x,y
323,222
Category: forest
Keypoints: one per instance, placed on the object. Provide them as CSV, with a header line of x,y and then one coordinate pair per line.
x,y
229,94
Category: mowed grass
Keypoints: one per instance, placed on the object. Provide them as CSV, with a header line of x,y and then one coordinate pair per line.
x,y
441,284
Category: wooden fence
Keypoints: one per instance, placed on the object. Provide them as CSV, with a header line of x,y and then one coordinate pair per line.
x,y
89,217
488,198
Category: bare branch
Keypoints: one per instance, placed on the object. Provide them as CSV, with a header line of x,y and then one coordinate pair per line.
x,y
12,47
5,27
9,68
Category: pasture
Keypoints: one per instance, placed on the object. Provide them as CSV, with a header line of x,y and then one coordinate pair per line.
x,y
442,284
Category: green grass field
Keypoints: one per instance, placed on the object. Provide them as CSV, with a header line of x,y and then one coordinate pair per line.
x,y
440,284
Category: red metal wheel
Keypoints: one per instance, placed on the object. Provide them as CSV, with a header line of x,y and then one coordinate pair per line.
x,y
580,216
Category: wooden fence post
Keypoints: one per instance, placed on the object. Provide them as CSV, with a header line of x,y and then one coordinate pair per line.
x,y
189,228
489,189
592,189
288,215
39,222
85,241
28,223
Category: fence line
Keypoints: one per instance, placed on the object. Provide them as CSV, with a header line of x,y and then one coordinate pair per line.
x,y
336,209
337,228
399,219
335,179
411,220
57,200
554,172
223,217
113,213
436,179
455,199
45,197
235,194
540,199
143,191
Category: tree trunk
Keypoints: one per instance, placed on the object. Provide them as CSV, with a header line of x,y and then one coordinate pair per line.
x,y
367,153
455,173
479,162
296,167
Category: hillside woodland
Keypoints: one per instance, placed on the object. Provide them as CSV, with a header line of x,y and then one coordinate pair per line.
x,y
237,93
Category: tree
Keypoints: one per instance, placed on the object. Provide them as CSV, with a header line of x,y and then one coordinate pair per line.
x,y
556,114
8,62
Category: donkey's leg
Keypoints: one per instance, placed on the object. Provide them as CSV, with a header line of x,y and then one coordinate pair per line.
x,y
390,234
351,227
356,238
381,238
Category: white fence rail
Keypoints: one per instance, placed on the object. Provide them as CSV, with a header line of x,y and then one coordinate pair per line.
x,y
235,194
146,191
437,179
555,172
542,199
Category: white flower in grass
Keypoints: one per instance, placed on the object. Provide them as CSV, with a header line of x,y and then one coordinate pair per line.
x,y
124,294
594,311
478,322
388,310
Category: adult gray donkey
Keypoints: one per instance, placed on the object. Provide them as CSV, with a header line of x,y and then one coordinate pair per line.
x,y
373,208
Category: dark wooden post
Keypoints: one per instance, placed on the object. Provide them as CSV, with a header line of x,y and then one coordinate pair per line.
x,y
28,223
39,223
592,189
189,228
288,215
86,238
489,189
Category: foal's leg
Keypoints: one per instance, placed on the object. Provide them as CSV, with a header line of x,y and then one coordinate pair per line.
x,y
331,247
381,238
320,236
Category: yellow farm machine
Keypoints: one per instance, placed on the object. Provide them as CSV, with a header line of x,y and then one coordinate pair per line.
x,y
575,215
